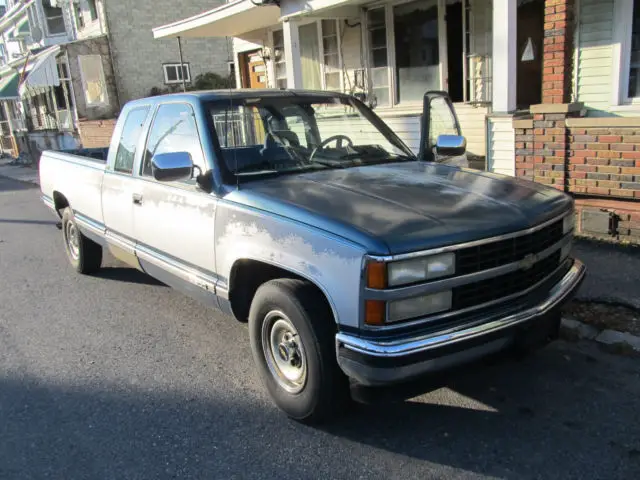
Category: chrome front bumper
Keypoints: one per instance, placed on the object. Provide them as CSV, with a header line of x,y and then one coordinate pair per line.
x,y
372,362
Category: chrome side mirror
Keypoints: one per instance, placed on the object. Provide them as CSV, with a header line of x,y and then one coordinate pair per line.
x,y
451,145
169,167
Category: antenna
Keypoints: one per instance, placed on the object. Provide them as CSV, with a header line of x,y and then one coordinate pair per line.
x,y
226,121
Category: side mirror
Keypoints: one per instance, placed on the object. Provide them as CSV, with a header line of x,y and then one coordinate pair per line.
x,y
451,145
169,167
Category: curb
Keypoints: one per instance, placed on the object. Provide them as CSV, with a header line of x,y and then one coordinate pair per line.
x,y
20,173
611,339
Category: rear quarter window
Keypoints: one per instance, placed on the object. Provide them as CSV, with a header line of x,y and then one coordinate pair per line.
x,y
131,131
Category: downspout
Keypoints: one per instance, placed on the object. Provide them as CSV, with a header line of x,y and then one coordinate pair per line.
x,y
112,55
184,82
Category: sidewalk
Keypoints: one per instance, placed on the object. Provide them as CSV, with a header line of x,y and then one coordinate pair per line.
x,y
613,272
22,173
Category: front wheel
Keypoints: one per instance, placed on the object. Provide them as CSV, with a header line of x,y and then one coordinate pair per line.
x,y
84,254
292,339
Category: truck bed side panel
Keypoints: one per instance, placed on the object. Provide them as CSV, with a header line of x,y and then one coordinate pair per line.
x,y
77,179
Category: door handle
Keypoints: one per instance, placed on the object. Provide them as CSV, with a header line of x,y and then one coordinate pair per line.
x,y
137,198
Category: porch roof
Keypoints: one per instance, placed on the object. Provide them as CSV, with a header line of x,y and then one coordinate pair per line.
x,y
42,71
228,20
9,87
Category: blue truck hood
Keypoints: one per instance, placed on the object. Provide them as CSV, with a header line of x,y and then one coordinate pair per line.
x,y
409,206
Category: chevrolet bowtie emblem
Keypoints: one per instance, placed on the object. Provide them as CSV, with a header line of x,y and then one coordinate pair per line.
x,y
528,261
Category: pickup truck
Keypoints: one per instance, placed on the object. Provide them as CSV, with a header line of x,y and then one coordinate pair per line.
x,y
354,260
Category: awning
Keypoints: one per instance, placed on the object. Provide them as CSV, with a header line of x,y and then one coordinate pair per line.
x,y
42,71
228,20
21,29
9,87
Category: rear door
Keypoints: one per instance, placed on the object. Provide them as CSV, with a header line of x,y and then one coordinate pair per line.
x,y
441,138
174,221
119,183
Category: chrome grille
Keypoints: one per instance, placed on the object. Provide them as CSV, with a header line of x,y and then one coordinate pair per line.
x,y
500,287
495,254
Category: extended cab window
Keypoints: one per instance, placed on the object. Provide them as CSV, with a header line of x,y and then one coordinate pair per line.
x,y
174,130
129,140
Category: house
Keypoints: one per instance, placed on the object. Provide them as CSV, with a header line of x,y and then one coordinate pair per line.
x,y
142,64
51,82
546,90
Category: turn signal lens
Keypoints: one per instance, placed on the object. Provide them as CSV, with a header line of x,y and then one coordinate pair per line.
x,y
374,311
377,275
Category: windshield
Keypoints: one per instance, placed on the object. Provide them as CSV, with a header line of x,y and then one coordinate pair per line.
x,y
291,134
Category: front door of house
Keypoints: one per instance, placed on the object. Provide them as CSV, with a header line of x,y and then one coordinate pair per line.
x,y
254,70
529,53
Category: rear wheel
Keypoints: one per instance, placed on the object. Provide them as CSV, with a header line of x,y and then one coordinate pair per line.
x,y
292,339
84,254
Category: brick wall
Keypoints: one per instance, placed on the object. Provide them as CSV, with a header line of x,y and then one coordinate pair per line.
x,y
557,51
96,133
605,162
597,160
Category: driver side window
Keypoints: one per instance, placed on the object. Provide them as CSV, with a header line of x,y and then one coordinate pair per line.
x,y
174,130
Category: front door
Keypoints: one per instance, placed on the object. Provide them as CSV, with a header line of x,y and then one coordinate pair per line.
x,y
254,70
174,221
530,40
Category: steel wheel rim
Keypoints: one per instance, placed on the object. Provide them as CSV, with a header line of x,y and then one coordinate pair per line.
x,y
284,352
73,240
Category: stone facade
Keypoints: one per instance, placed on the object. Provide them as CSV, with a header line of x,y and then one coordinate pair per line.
x,y
138,57
93,46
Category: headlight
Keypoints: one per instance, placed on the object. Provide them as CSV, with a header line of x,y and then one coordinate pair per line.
x,y
568,223
421,269
419,306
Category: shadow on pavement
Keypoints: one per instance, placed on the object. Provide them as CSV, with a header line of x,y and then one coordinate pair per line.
x,y
544,418
28,222
126,274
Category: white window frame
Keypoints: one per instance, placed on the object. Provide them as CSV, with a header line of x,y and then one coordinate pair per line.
x,y
272,63
318,22
391,49
105,102
177,67
46,22
621,65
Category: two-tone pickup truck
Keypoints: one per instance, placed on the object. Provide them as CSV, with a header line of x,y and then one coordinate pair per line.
x,y
303,214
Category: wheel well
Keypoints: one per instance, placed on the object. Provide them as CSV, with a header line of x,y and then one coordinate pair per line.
x,y
60,202
245,279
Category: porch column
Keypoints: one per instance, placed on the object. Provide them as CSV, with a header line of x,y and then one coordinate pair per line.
x,y
504,59
557,72
292,54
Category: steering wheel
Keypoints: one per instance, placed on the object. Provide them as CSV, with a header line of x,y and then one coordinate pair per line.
x,y
337,138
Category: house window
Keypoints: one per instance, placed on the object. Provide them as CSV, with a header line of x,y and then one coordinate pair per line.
x,y
331,54
279,63
93,81
54,18
174,74
403,51
417,67
79,17
634,53
378,58
93,11
310,56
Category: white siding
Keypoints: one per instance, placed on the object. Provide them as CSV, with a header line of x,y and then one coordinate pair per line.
x,y
502,152
595,54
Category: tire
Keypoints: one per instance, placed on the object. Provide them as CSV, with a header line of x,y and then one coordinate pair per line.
x,y
84,254
322,390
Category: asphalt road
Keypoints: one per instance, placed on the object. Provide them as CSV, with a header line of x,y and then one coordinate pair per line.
x,y
117,377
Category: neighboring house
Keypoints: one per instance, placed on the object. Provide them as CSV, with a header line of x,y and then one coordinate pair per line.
x,y
51,84
142,63
548,90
